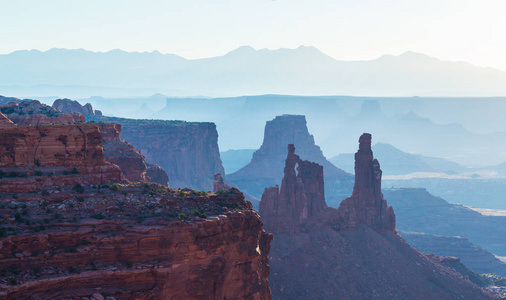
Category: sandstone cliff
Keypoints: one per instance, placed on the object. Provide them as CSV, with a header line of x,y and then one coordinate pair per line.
x,y
133,241
122,154
32,157
32,112
187,151
69,229
267,162
352,252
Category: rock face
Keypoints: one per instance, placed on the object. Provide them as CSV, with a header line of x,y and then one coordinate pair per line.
x,y
121,153
188,152
34,156
366,205
265,167
155,173
32,112
352,252
85,231
132,247
301,198
219,184
67,105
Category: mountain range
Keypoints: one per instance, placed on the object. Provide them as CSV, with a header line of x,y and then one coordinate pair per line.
x,y
243,71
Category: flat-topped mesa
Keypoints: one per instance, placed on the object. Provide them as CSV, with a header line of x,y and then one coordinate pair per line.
x,y
32,112
366,205
219,184
300,199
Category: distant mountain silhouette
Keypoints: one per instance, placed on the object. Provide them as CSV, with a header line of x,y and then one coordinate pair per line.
x,y
302,71
398,162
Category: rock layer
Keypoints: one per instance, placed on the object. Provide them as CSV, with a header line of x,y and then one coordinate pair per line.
x,y
155,173
187,151
132,247
32,157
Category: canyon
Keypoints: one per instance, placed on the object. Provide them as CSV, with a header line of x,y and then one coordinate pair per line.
x,y
73,226
352,252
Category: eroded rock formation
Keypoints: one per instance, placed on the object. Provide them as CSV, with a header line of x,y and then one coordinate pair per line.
x,y
219,184
366,205
187,151
130,160
268,161
80,232
166,245
155,173
350,253
67,105
34,156
300,199
32,112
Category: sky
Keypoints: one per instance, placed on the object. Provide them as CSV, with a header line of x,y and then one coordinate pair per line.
x,y
455,30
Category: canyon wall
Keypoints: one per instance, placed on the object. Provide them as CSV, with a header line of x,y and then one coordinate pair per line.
x,y
72,226
187,151
32,112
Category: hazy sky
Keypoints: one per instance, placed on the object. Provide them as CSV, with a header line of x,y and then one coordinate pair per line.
x,y
473,31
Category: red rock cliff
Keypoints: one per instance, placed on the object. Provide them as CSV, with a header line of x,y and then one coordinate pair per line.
x,y
64,155
366,205
300,199
131,244
188,152
130,160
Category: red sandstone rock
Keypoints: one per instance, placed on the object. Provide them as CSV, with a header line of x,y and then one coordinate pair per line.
x,y
130,160
351,253
300,199
32,112
70,154
366,205
131,245
155,173
219,184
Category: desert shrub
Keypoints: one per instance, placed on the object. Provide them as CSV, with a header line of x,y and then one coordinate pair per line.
x,y
38,173
181,216
114,187
80,199
98,216
74,171
78,189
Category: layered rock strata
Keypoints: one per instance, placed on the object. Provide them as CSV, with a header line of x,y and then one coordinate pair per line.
x,y
352,252
187,151
131,241
268,161
32,157
130,160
